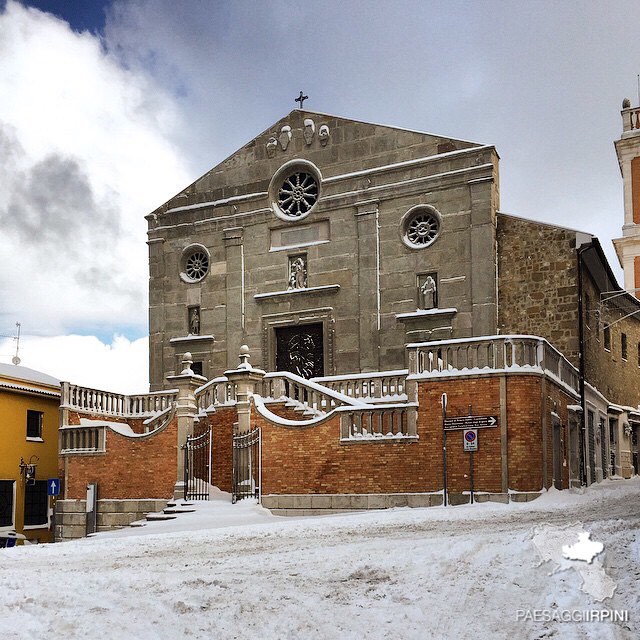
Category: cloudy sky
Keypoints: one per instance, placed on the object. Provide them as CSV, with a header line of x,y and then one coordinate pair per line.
x,y
110,107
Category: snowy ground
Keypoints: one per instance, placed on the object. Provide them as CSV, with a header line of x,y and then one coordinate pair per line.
x,y
236,571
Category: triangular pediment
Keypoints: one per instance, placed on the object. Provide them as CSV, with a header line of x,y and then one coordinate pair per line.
x,y
335,145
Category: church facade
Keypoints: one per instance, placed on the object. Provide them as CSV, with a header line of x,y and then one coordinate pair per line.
x,y
327,242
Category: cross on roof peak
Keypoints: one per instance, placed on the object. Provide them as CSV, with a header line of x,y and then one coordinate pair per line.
x,y
301,98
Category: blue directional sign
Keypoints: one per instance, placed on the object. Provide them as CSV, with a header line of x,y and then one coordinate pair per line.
x,y
53,487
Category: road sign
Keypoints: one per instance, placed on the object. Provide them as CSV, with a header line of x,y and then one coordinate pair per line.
x,y
470,439
469,422
53,487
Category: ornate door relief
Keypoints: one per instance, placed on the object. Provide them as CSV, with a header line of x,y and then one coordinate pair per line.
x,y
300,350
318,324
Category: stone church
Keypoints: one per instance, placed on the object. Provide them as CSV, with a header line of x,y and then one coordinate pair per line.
x,y
326,245
382,305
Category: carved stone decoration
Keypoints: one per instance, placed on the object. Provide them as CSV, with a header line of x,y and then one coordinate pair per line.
x,y
299,349
297,272
272,145
309,130
323,135
302,354
285,137
428,293
194,321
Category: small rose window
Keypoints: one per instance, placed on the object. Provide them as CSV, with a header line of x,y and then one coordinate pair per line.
x,y
420,227
195,263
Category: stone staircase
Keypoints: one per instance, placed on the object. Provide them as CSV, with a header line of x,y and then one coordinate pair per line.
x,y
170,512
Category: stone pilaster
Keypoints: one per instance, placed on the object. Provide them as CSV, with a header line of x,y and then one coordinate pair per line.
x,y
234,249
484,307
368,284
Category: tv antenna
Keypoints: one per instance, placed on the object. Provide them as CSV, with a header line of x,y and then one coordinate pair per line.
x,y
16,358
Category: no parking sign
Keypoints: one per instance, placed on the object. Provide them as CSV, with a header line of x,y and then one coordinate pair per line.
x,y
470,439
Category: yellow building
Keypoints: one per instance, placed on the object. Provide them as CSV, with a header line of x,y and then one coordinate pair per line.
x,y
29,405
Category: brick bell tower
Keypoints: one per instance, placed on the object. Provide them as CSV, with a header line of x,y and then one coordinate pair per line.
x,y
628,150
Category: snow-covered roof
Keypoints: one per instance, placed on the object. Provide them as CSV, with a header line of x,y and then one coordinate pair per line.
x,y
17,372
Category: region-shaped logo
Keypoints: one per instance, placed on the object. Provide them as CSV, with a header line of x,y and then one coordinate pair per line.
x,y
571,547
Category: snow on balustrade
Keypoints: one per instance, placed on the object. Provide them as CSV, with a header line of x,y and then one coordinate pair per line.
x,y
379,422
317,398
82,439
89,400
631,119
487,354
215,393
385,386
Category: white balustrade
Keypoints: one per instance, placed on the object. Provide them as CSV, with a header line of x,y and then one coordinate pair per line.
x,y
378,422
371,387
215,393
89,400
80,439
501,353
314,397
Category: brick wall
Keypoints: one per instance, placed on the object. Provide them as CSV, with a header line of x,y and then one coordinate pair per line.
x,y
537,282
130,468
310,460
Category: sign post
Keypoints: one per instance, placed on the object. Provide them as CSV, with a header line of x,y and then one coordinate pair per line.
x,y
53,491
470,438
444,448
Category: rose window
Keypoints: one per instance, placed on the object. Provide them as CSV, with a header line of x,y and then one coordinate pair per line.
x,y
421,227
298,193
194,264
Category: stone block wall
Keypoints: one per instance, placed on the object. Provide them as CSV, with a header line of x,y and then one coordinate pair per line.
x,y
538,282
112,514
617,378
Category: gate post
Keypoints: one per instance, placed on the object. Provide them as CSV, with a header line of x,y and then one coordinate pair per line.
x,y
246,380
186,382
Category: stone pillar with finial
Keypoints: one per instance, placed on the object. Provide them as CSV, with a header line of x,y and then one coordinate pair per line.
x,y
186,382
246,380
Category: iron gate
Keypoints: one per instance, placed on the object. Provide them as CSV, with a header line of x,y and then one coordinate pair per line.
x,y
247,469
197,466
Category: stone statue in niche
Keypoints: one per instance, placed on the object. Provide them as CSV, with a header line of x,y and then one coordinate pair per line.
x,y
428,293
323,135
309,130
194,321
272,145
285,137
297,273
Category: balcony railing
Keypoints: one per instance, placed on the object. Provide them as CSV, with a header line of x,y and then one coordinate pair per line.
x,y
631,119
495,353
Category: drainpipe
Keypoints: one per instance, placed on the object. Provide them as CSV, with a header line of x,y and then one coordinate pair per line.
x,y
581,367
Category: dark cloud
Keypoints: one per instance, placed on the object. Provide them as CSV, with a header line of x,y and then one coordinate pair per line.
x,y
52,204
